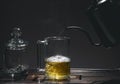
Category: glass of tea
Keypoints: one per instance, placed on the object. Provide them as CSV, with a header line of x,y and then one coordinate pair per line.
x,y
56,59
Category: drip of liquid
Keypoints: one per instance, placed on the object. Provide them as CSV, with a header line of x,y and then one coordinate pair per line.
x,y
61,33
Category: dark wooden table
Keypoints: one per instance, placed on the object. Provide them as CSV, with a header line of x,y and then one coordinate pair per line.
x,y
78,75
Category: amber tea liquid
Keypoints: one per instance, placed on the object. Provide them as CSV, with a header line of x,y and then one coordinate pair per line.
x,y
57,68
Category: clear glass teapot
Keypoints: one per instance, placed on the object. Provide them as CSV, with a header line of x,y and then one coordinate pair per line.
x,y
53,56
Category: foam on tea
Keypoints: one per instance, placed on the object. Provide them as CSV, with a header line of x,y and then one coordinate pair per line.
x,y
58,58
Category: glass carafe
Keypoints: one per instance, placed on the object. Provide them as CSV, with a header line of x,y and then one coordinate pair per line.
x,y
54,57
104,15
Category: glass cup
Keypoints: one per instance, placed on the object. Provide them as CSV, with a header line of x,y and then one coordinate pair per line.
x,y
56,61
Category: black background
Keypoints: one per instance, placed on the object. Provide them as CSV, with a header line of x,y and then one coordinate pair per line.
x,y
41,18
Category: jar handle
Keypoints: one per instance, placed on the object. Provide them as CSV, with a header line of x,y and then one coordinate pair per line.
x,y
40,53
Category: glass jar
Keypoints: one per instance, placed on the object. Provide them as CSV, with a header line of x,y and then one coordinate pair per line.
x,y
15,51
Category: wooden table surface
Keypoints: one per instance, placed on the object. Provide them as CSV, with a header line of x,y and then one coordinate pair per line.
x,y
78,75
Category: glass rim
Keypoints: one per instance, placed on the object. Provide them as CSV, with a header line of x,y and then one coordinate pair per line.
x,y
57,37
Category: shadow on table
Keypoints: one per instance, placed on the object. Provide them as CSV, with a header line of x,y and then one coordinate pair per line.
x,y
107,82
